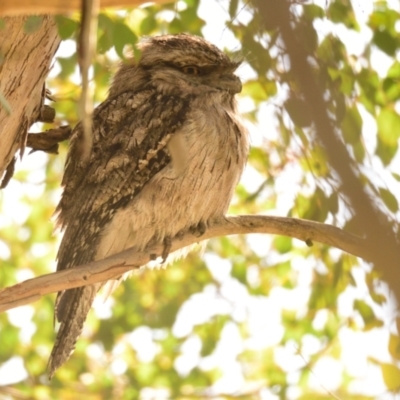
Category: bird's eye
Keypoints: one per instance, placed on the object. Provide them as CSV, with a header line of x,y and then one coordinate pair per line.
x,y
191,70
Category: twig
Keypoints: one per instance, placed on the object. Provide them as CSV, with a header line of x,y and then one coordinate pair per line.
x,y
115,266
48,141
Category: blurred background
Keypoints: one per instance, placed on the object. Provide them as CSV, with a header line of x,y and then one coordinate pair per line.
x,y
256,316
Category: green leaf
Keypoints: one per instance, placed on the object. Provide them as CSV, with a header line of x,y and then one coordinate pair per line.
x,y
386,42
105,42
394,346
9,339
283,244
396,176
391,376
388,126
210,333
367,314
105,22
192,3
378,298
369,82
389,199
33,23
262,62
391,87
314,208
384,18
341,11
148,25
66,26
191,21
283,269
106,33
176,26
351,125
239,271
123,36
385,152
312,11
68,65
394,70
316,161
259,90
233,6
388,122
344,77
331,50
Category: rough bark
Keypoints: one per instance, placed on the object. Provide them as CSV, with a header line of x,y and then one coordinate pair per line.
x,y
25,60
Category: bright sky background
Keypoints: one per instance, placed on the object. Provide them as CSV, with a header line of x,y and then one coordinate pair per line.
x,y
263,313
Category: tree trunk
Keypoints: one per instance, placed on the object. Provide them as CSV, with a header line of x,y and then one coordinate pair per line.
x,y
25,60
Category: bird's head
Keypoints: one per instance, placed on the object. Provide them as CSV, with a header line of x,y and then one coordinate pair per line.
x,y
189,63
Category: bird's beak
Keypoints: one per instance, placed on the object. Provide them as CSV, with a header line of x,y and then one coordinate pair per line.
x,y
231,83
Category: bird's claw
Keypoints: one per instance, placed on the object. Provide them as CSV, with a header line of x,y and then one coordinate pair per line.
x,y
167,242
198,229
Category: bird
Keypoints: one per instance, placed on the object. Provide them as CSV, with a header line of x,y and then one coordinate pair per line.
x,y
168,148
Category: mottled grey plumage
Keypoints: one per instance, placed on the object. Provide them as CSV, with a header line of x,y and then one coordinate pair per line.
x,y
168,150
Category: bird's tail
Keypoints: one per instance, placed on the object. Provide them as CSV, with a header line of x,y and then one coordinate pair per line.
x,y
72,309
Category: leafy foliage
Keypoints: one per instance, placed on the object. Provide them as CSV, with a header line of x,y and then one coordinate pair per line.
x,y
256,316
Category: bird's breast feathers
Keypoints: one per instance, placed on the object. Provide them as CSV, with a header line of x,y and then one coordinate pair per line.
x,y
207,158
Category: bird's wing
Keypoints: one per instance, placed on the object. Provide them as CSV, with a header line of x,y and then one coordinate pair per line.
x,y
130,135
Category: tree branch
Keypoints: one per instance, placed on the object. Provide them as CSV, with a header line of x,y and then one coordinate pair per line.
x,y
23,7
26,59
115,266
86,50
48,141
383,247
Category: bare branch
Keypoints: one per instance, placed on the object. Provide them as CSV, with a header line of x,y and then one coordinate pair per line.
x,y
115,266
86,50
23,7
